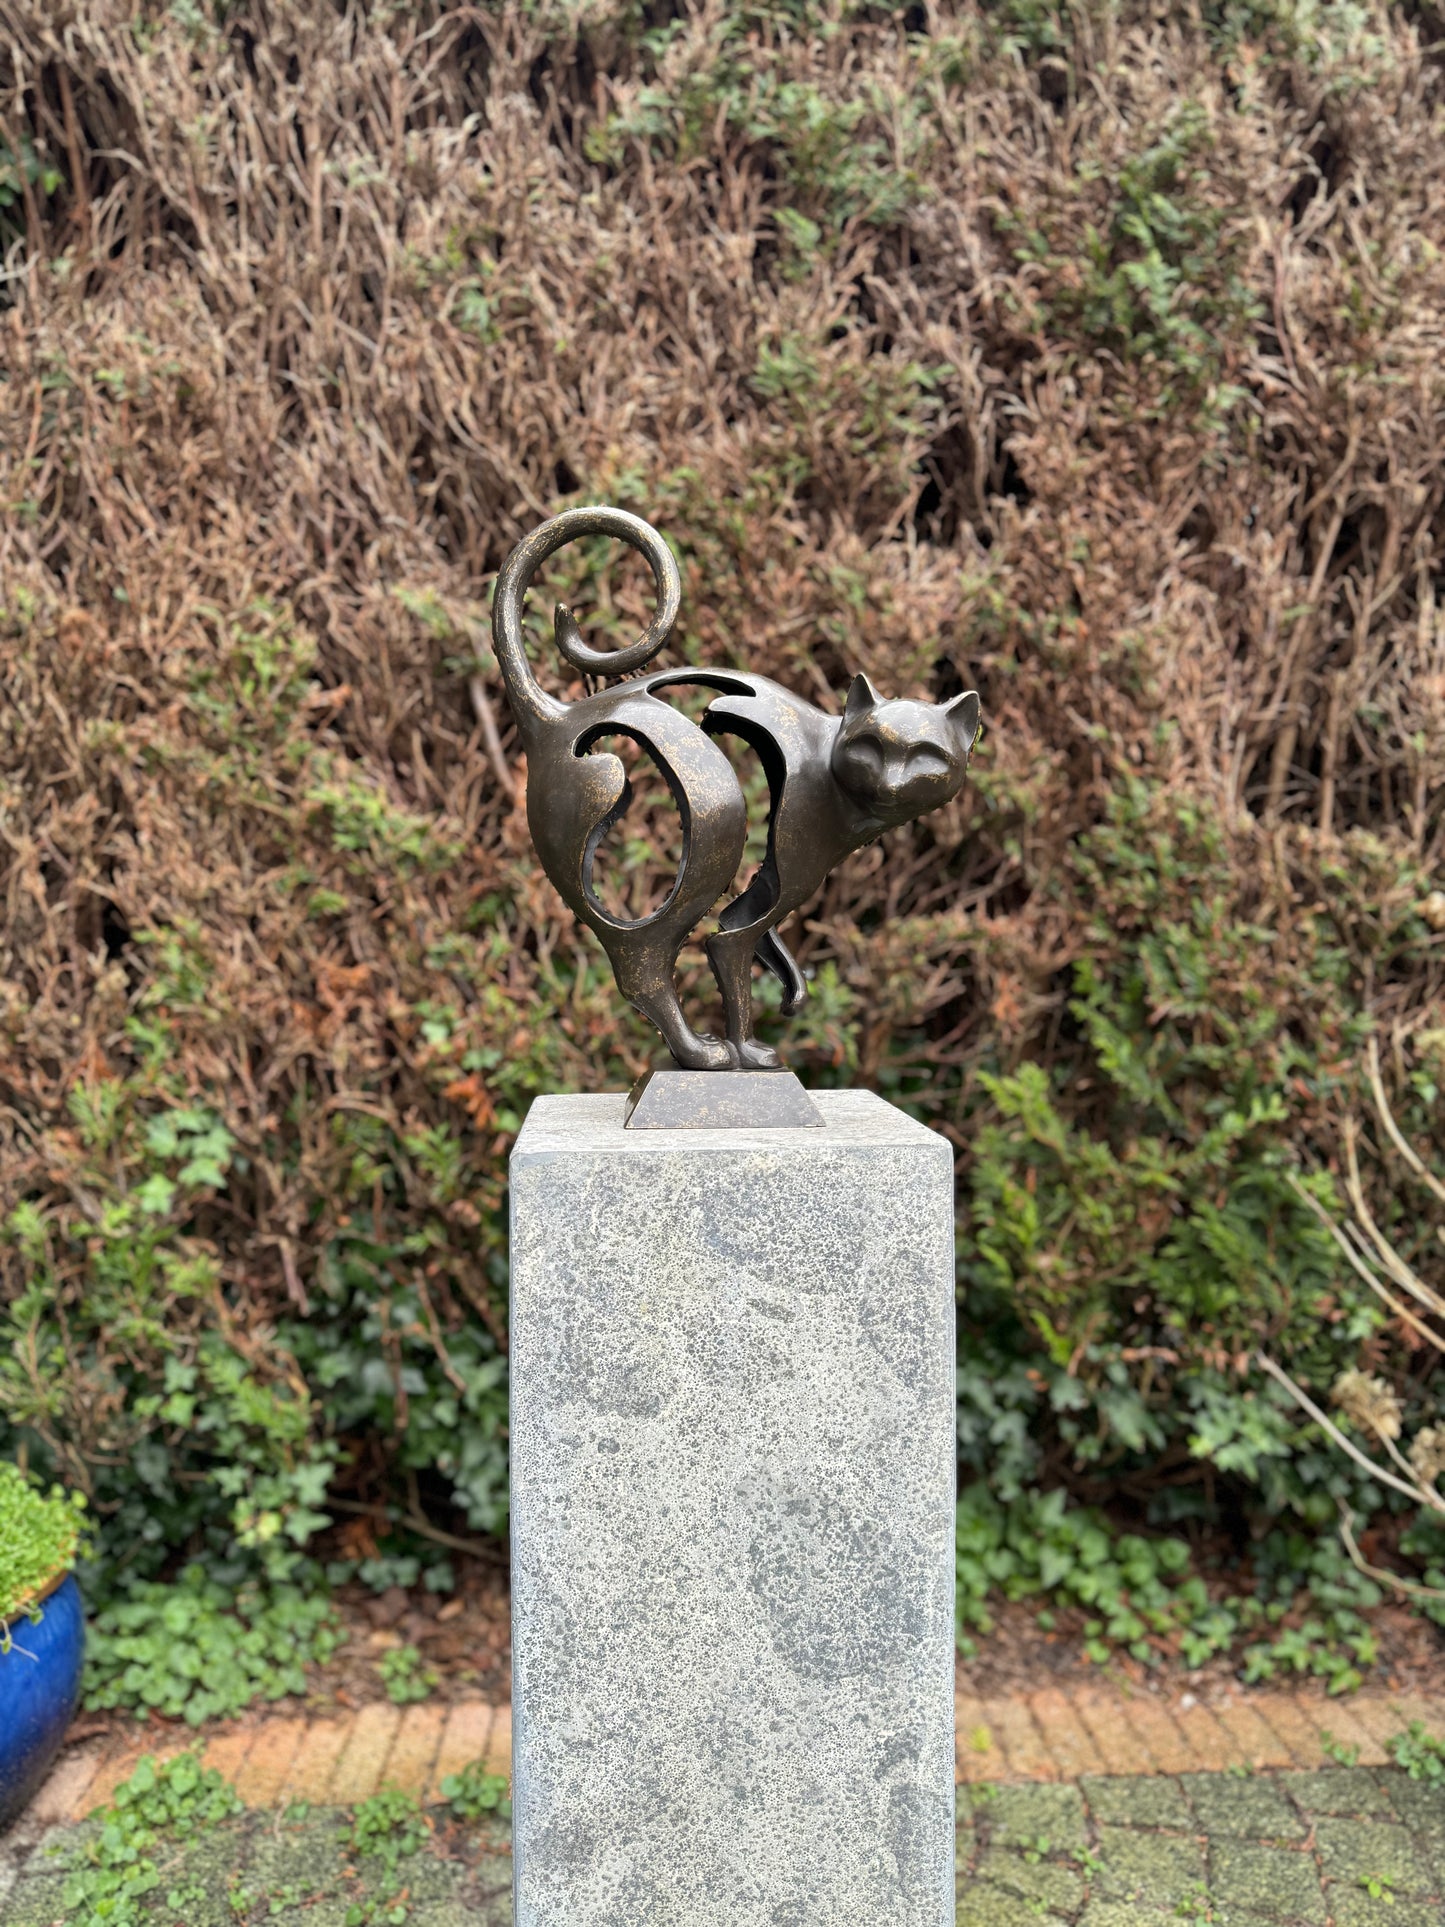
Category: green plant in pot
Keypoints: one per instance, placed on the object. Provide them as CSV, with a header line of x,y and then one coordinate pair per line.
x,y
42,1630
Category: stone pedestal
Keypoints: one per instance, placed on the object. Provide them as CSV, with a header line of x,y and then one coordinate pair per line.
x,y
733,1472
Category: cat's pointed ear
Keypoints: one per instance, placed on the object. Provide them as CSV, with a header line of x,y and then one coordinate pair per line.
x,y
862,697
962,713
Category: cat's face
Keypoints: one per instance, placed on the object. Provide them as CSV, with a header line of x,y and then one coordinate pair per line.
x,y
899,759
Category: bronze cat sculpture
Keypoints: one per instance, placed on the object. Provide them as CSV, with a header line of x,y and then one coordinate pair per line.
x,y
835,783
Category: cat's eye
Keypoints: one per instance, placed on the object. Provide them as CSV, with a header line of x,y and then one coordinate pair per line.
x,y
924,758
868,747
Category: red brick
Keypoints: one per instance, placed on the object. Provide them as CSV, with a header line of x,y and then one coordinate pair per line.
x,y
464,1739
361,1768
309,1777
1298,1725
107,1778
1428,1712
63,1795
263,1773
1337,1718
1406,1708
1159,1736
1383,1718
499,1743
1025,1750
1258,1743
976,1753
1109,1718
414,1750
1211,1747
226,1753
1065,1734
120,1766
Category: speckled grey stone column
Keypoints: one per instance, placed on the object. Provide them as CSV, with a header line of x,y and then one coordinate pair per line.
x,y
732,1521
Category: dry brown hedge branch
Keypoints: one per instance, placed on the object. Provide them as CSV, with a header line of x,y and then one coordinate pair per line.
x,y
333,301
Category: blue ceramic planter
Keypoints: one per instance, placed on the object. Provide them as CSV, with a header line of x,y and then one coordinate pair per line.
x,y
39,1685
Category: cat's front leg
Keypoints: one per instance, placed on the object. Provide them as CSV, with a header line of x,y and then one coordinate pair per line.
x,y
730,952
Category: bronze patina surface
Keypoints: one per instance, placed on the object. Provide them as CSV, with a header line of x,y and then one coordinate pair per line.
x,y
834,782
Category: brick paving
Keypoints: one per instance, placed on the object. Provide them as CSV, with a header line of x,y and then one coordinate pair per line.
x,y
1010,1745
465,1737
1090,1807
359,1772
1252,1735
1053,1735
1301,1847
268,1762
413,1752
1066,1737
1300,1725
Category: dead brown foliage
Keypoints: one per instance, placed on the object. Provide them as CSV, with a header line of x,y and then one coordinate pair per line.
x,y
331,302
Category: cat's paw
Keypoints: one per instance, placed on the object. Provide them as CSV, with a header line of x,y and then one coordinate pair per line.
x,y
753,1056
707,1054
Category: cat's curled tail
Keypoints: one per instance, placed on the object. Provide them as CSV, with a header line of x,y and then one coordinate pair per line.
x,y
530,702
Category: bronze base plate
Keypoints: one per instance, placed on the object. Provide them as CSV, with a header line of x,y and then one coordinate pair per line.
x,y
679,1100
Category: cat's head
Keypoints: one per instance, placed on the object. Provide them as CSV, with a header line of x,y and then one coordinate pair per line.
x,y
899,759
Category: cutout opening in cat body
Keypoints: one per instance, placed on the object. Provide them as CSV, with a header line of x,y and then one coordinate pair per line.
x,y
651,816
